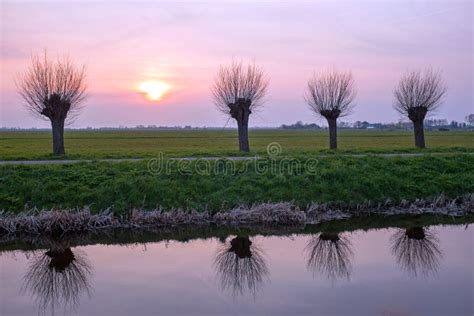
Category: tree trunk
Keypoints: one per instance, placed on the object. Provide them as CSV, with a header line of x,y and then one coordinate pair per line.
x,y
58,136
243,126
419,133
332,133
240,111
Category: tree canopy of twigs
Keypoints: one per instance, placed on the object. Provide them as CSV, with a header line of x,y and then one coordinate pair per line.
x,y
52,89
419,93
417,250
331,94
330,254
240,266
236,82
58,277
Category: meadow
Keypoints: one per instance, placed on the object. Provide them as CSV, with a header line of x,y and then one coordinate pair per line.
x,y
19,145
127,185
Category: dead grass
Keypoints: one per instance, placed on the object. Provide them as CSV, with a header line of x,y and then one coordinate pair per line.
x,y
54,222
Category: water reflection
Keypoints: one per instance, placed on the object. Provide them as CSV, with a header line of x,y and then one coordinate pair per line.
x,y
417,250
240,266
58,277
330,254
131,277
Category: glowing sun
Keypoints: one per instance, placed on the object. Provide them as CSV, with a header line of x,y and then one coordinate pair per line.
x,y
154,89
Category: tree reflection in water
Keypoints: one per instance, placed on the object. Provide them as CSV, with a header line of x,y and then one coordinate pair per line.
x,y
58,277
329,254
417,250
240,266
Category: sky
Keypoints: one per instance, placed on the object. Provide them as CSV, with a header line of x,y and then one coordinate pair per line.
x,y
183,43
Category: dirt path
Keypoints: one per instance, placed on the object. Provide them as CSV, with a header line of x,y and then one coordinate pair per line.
x,y
116,160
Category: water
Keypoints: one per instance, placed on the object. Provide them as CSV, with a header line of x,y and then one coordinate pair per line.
x,y
422,271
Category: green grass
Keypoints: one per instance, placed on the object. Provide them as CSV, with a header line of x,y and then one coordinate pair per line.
x,y
126,185
126,144
123,186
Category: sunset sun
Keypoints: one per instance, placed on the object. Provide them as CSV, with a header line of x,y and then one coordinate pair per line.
x,y
154,90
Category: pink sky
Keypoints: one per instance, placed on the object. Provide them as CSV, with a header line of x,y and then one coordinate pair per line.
x,y
183,44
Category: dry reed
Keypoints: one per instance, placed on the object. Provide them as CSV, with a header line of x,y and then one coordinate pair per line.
x,y
284,213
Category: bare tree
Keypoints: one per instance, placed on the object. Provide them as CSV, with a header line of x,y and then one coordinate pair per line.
x,y
53,90
331,96
58,276
417,250
330,254
240,266
238,90
416,95
470,119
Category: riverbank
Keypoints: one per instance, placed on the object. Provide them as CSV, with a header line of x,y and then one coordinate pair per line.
x,y
60,222
212,186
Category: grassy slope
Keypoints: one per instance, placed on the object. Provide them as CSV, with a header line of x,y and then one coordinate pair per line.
x,y
106,144
127,185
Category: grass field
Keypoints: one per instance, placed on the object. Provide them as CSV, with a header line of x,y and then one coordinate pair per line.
x,y
124,186
126,144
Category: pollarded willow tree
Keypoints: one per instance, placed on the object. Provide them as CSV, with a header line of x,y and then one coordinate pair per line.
x,y
417,95
331,95
417,250
53,90
240,266
330,254
238,90
58,276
